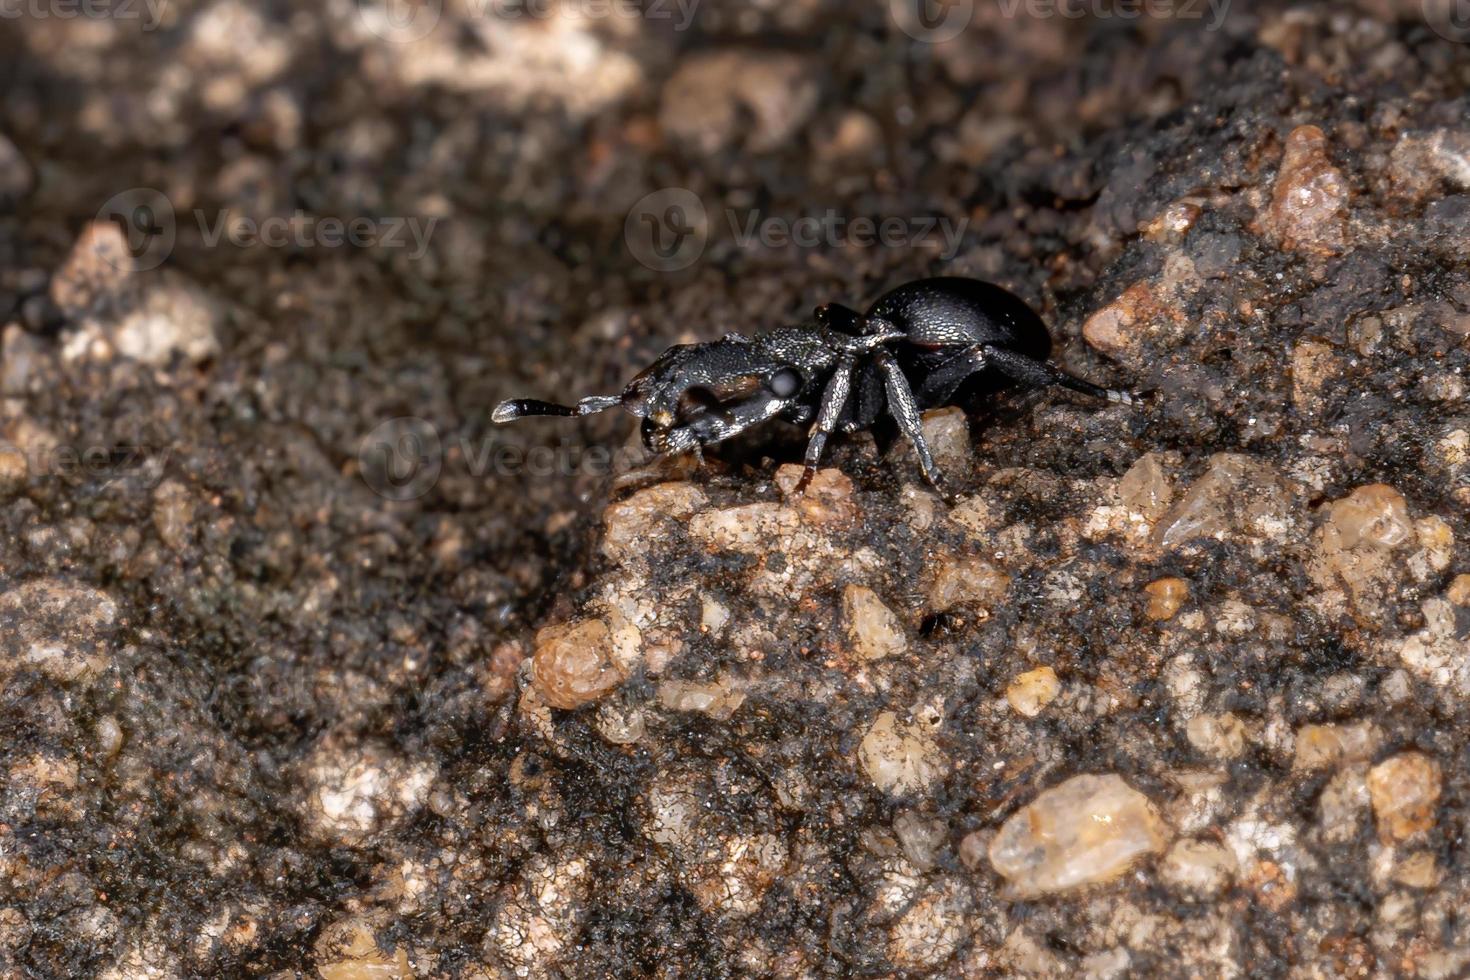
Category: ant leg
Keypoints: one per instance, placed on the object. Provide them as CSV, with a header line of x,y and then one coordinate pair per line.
x,y
519,408
706,401
711,428
1039,374
866,402
851,332
943,380
834,400
876,326
905,412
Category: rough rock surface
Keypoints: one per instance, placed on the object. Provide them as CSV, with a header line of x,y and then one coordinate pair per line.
x,y
1171,691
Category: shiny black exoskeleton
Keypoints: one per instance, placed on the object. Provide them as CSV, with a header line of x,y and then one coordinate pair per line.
x,y
914,350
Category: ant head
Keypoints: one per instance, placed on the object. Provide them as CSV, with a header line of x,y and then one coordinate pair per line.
x,y
694,378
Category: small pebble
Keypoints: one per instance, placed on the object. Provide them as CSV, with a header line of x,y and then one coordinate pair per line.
x,y
1220,736
356,791
1107,964
827,500
109,736
1198,868
1032,691
1089,829
1421,162
1270,885
173,514
1309,202
1360,552
1375,516
15,469
718,700
872,628
23,357
348,950
647,515
970,582
1314,366
857,137
47,775
1343,803
1146,489
947,431
1405,790
177,317
1418,870
742,869
1119,328
538,919
713,616
60,628
747,529
95,270
1323,746
920,837
901,758
1237,496
574,665
931,929
1165,597
16,175
718,96
620,724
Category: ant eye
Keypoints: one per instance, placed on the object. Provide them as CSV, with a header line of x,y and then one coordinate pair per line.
x,y
785,383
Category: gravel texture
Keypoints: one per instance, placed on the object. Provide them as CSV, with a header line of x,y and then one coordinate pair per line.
x,y
307,670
